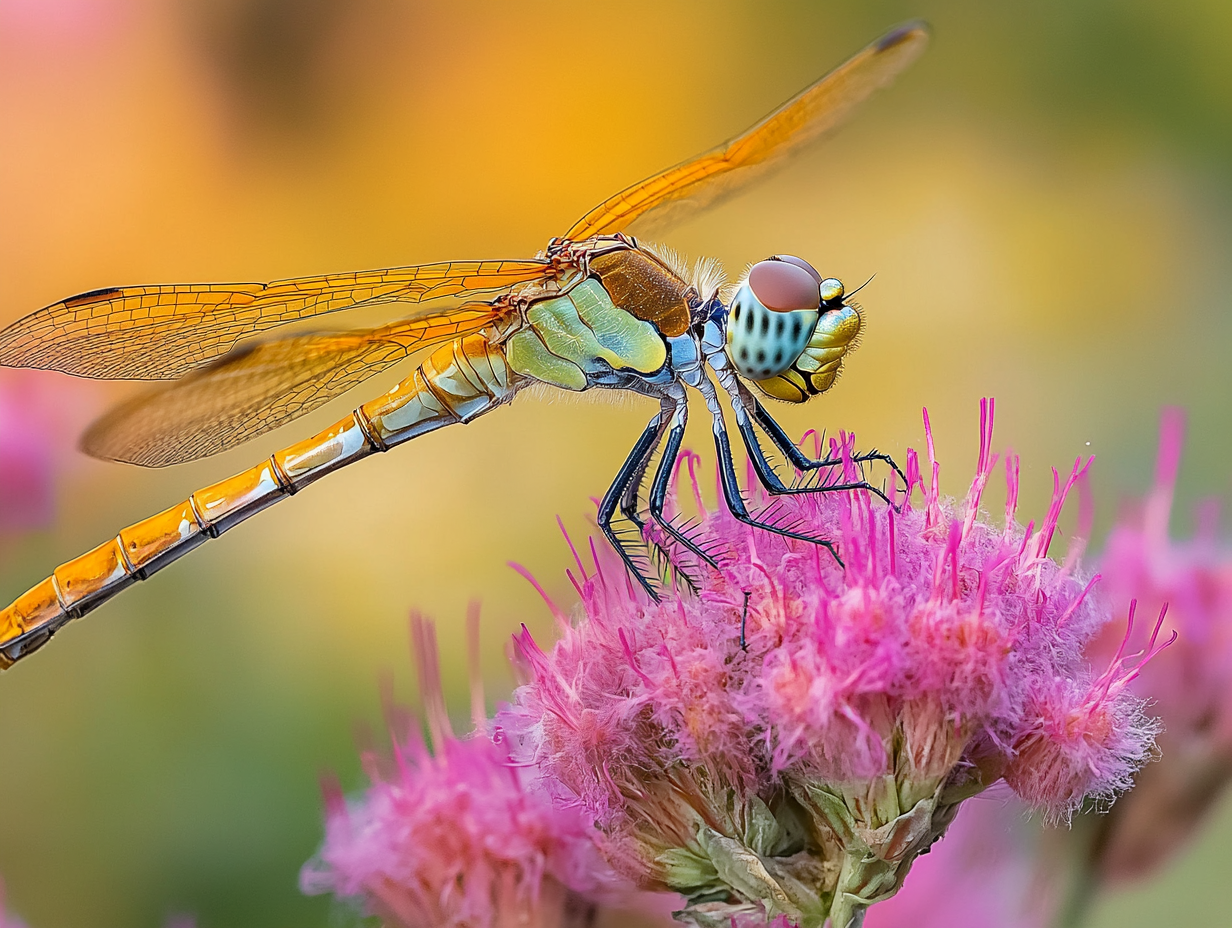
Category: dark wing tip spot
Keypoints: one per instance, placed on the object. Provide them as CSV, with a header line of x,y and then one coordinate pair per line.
x,y
902,33
92,296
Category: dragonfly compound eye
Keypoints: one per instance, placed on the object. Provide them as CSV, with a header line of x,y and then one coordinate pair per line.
x,y
772,318
800,263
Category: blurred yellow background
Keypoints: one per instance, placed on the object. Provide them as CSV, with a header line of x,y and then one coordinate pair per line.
x,y
1044,199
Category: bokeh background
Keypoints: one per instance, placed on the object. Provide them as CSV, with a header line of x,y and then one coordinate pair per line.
x,y
1045,199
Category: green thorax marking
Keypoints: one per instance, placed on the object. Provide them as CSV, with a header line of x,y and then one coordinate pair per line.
x,y
570,334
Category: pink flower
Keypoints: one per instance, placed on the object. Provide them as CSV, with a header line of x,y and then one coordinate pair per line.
x,y
1191,684
71,23
1077,734
800,771
40,418
25,459
453,837
7,919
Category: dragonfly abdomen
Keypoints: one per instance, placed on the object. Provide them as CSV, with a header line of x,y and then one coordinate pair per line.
x,y
456,383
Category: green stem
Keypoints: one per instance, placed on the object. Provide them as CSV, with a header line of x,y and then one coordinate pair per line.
x,y
1079,895
1081,883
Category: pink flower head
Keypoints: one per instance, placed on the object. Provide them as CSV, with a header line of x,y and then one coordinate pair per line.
x,y
7,919
1191,684
799,768
450,837
25,456
1079,740
39,413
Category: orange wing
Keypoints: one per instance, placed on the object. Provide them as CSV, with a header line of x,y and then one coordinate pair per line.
x,y
162,332
261,386
809,114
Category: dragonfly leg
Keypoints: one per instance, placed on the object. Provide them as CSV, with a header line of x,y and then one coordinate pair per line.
x,y
631,498
798,458
629,475
744,622
731,486
658,489
742,400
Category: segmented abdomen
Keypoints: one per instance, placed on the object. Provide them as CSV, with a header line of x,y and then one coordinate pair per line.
x,y
457,382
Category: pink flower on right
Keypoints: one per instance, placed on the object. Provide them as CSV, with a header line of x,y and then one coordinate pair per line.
x,y
1190,684
1009,883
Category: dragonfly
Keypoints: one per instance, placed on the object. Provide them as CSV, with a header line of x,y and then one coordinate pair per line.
x,y
597,310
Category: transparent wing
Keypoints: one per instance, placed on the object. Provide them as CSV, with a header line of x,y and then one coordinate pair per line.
x,y
261,386
814,111
162,332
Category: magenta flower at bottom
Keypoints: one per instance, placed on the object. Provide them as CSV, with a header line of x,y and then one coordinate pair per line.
x,y
450,837
799,773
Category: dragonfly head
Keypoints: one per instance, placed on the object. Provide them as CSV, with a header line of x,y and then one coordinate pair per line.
x,y
789,328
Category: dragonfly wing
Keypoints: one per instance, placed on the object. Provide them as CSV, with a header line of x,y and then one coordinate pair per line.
x,y
162,332
261,386
814,111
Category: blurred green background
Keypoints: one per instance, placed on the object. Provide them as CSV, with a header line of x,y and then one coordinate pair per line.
x,y
1046,200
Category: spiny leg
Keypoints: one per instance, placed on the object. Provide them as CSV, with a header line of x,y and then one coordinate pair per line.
x,y
674,412
731,486
741,399
735,502
772,482
799,460
634,466
631,498
658,489
744,622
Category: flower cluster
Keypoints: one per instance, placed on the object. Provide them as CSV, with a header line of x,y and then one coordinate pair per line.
x,y
1190,685
450,837
788,740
